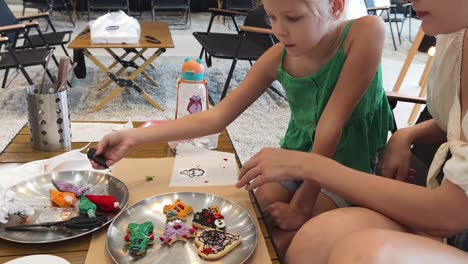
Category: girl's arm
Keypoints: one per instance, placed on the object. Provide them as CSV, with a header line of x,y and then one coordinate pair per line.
x,y
440,212
363,47
257,80
397,156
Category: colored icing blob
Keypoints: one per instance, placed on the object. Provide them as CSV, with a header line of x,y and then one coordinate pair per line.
x,y
105,203
64,186
62,199
87,207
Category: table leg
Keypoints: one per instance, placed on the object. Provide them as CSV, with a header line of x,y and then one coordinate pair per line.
x,y
125,83
122,69
131,63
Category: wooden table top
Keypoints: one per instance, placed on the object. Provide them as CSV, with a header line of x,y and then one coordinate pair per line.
x,y
20,151
158,30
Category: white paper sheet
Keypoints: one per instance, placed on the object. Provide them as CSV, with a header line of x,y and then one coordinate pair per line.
x,y
201,167
93,132
71,160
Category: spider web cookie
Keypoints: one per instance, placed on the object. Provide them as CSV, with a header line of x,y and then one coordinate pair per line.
x,y
214,244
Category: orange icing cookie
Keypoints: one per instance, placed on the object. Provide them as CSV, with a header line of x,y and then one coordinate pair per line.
x,y
62,199
178,210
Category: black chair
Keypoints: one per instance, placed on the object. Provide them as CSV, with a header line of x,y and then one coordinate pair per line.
x,y
389,15
11,58
108,5
395,97
238,5
49,6
254,39
53,38
182,6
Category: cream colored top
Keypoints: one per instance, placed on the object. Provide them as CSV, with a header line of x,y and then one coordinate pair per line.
x,y
444,105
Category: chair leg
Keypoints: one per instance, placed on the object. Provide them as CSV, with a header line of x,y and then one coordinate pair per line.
x,y
5,77
25,74
52,79
89,10
66,53
278,93
68,13
228,81
393,37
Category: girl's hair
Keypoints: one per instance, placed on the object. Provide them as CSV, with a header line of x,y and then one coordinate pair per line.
x,y
320,8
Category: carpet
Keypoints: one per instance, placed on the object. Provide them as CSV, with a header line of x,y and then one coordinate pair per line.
x,y
263,124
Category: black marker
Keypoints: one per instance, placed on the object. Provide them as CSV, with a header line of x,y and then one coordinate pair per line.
x,y
98,159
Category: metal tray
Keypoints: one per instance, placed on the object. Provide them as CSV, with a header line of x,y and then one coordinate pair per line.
x,y
35,192
237,219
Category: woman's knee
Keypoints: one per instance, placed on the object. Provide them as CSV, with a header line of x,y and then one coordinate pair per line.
x,y
270,193
317,237
363,247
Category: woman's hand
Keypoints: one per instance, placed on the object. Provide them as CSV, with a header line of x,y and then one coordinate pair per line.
x,y
397,158
271,165
113,147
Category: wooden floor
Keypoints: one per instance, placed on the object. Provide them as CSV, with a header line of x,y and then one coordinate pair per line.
x,y
20,151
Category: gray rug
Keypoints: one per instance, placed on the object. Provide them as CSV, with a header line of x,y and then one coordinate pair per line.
x,y
263,124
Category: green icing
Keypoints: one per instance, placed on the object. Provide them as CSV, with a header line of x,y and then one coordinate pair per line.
x,y
140,236
87,207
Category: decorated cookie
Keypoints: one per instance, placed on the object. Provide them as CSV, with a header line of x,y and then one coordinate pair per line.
x,y
64,186
176,230
105,203
138,238
214,244
87,207
209,218
62,199
178,210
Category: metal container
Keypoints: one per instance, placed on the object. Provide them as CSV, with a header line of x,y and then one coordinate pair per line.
x,y
49,119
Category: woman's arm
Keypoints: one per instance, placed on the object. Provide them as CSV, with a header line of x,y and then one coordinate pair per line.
x,y
363,46
440,212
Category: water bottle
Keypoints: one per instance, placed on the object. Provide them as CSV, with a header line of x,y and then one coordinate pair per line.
x,y
192,92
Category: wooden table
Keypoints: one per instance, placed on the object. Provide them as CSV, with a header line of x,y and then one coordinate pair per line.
x,y
20,151
158,30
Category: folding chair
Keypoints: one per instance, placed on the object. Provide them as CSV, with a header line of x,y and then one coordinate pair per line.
x,y
390,17
238,5
48,6
54,38
108,5
182,6
11,58
253,39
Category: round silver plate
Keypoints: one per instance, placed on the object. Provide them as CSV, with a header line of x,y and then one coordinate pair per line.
x,y
238,222
35,192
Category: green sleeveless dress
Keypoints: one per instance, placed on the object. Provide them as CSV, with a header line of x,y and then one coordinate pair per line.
x,y
366,131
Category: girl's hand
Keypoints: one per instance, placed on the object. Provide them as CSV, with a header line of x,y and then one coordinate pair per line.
x,y
113,147
271,165
397,158
284,216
